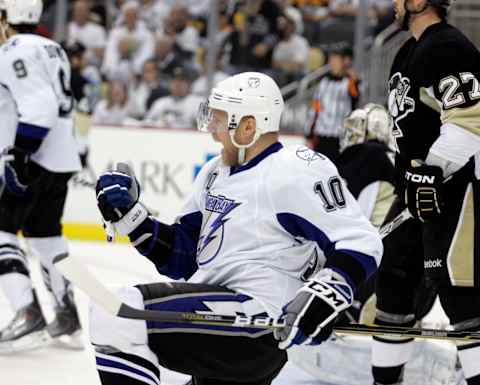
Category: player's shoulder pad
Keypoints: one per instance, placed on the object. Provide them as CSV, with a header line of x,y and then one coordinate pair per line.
x,y
298,161
29,45
302,157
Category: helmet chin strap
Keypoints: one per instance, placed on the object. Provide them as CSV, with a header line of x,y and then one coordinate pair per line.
x,y
408,14
242,148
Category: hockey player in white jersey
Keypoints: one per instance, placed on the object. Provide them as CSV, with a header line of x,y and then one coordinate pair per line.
x,y
266,230
36,72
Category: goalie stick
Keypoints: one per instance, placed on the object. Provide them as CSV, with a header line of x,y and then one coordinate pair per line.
x,y
79,275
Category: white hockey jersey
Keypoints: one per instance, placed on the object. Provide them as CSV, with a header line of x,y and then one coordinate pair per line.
x,y
37,73
8,117
263,228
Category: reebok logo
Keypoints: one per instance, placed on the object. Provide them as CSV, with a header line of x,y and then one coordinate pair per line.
x,y
417,178
432,263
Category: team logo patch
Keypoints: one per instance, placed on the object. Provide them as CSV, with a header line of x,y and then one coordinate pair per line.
x,y
253,82
213,229
399,103
308,155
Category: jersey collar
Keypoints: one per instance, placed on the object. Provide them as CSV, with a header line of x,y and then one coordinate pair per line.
x,y
432,28
275,147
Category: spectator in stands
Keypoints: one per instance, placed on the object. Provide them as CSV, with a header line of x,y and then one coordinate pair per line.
x,y
128,46
290,55
335,97
313,12
154,13
293,13
116,108
179,110
255,34
82,30
177,27
85,79
340,24
146,91
168,57
200,86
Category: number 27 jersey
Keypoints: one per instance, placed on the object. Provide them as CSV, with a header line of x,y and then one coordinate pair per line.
x,y
36,71
433,81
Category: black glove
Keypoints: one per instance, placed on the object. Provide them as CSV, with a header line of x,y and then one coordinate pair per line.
x,y
117,197
424,185
311,315
17,175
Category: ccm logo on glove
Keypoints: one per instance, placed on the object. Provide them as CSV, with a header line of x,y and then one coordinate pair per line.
x,y
327,292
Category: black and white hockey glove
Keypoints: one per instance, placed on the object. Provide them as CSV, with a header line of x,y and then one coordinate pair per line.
x,y
311,315
117,198
424,191
16,175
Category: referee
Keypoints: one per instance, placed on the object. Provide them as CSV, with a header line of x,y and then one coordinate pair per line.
x,y
335,98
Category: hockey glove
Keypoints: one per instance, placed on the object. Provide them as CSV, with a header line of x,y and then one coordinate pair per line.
x,y
424,191
311,315
117,198
16,172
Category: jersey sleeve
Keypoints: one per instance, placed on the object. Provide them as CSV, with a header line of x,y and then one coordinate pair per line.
x,y
456,89
173,248
315,205
455,82
23,72
8,117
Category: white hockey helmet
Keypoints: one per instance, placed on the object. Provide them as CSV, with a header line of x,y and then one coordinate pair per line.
x,y
246,94
372,122
23,11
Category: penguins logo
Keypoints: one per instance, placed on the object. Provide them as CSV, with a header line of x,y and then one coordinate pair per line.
x,y
399,103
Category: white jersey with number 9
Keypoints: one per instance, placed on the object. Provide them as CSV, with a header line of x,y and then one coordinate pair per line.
x,y
37,72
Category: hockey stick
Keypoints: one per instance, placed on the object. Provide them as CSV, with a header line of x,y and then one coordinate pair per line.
x,y
79,274
399,331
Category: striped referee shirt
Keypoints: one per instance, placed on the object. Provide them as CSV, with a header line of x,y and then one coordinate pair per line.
x,y
334,99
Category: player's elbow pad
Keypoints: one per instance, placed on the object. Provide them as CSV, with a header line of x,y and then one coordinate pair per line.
x,y
30,137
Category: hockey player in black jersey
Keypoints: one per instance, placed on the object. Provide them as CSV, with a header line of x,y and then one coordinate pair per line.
x,y
434,100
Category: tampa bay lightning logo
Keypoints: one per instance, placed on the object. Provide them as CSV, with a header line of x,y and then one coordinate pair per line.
x,y
213,230
308,155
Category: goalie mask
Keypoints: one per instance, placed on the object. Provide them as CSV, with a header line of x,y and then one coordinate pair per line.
x,y
249,94
372,122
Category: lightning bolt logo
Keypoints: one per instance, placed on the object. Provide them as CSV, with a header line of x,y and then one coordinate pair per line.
x,y
223,207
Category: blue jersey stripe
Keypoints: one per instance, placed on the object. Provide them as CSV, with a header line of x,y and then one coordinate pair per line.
x,y
31,131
